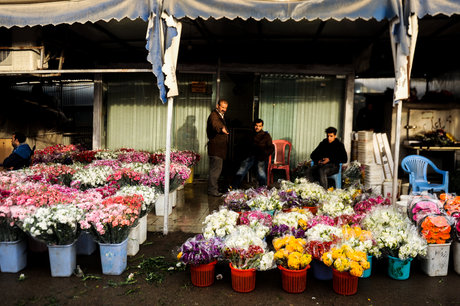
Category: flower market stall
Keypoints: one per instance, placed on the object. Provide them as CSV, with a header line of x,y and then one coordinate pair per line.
x,y
70,192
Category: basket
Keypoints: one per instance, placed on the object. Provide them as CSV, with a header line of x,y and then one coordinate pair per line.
x,y
436,261
294,281
203,275
243,280
344,283
367,272
398,269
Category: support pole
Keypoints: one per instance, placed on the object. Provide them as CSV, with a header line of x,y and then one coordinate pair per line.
x,y
167,164
396,153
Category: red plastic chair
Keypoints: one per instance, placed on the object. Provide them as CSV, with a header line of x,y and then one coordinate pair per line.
x,y
280,161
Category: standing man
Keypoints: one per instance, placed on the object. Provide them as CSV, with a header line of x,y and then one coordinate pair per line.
x,y
20,157
216,130
326,157
260,149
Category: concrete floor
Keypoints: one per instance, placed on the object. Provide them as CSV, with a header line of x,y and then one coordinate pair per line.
x,y
193,205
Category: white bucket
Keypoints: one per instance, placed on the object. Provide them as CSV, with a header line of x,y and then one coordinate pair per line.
x,y
456,254
436,262
387,187
159,205
133,240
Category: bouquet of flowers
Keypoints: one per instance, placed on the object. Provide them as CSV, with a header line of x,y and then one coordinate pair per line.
x,y
423,205
296,219
451,203
107,154
156,177
365,205
353,174
260,222
290,253
187,157
220,223
54,225
149,196
123,177
52,174
360,240
320,220
9,229
395,234
283,229
289,199
111,221
236,200
264,203
133,157
198,250
348,259
90,177
246,251
56,154
310,193
323,233
436,229
84,157
335,206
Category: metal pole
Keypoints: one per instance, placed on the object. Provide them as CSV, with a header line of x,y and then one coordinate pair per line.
x,y
218,81
396,153
167,164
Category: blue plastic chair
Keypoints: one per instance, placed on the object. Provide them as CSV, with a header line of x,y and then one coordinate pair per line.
x,y
336,177
417,166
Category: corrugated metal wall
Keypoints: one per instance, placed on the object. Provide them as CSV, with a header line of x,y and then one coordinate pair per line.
x,y
299,108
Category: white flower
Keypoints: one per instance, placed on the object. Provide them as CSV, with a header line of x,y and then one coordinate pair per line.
x,y
220,223
323,232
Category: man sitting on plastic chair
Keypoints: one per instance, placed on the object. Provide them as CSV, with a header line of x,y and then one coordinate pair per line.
x,y
327,157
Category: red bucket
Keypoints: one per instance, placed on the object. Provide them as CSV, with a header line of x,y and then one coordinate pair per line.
x,y
344,283
203,275
312,209
243,280
294,281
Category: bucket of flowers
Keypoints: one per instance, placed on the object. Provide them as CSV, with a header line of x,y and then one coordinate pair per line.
x,y
201,254
246,253
293,262
398,239
348,264
57,226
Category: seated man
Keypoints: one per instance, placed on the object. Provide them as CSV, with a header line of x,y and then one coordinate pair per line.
x,y
326,157
260,149
20,157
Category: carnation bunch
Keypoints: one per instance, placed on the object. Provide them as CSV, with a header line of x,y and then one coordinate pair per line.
x,y
149,196
178,174
260,222
348,259
290,253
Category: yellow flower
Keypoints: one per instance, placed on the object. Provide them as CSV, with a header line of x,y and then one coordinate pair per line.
x,y
305,260
356,272
279,243
179,256
327,259
303,224
279,255
336,253
294,260
365,264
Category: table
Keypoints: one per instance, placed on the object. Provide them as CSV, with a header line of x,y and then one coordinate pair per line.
x,y
418,149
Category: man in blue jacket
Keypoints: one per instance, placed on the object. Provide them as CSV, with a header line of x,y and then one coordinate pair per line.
x,y
326,157
20,157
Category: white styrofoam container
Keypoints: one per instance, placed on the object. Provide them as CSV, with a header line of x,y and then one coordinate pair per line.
x,y
142,229
456,255
159,205
436,261
133,241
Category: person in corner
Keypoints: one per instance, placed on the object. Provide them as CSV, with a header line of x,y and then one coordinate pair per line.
x,y
20,157
216,130
260,149
326,157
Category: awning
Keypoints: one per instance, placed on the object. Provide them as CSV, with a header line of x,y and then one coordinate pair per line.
x,y
73,11
283,9
435,7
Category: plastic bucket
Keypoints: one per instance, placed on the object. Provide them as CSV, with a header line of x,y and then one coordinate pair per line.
x,y
456,255
399,269
13,256
312,209
159,205
143,229
320,270
113,257
436,261
344,283
367,272
85,244
293,281
243,280
203,275
63,259
133,240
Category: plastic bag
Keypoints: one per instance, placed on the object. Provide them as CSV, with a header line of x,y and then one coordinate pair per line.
x,y
451,203
436,228
422,205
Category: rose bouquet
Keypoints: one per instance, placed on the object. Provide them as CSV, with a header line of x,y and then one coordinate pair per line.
x,y
220,223
348,259
199,250
451,204
54,225
436,229
395,234
423,205
247,251
111,221
260,222
236,200
290,253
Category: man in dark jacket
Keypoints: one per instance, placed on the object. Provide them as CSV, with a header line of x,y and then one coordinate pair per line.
x,y
217,132
259,151
20,157
326,157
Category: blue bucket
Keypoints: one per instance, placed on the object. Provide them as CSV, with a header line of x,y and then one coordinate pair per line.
x,y
114,257
320,270
367,272
85,244
13,256
63,259
398,269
